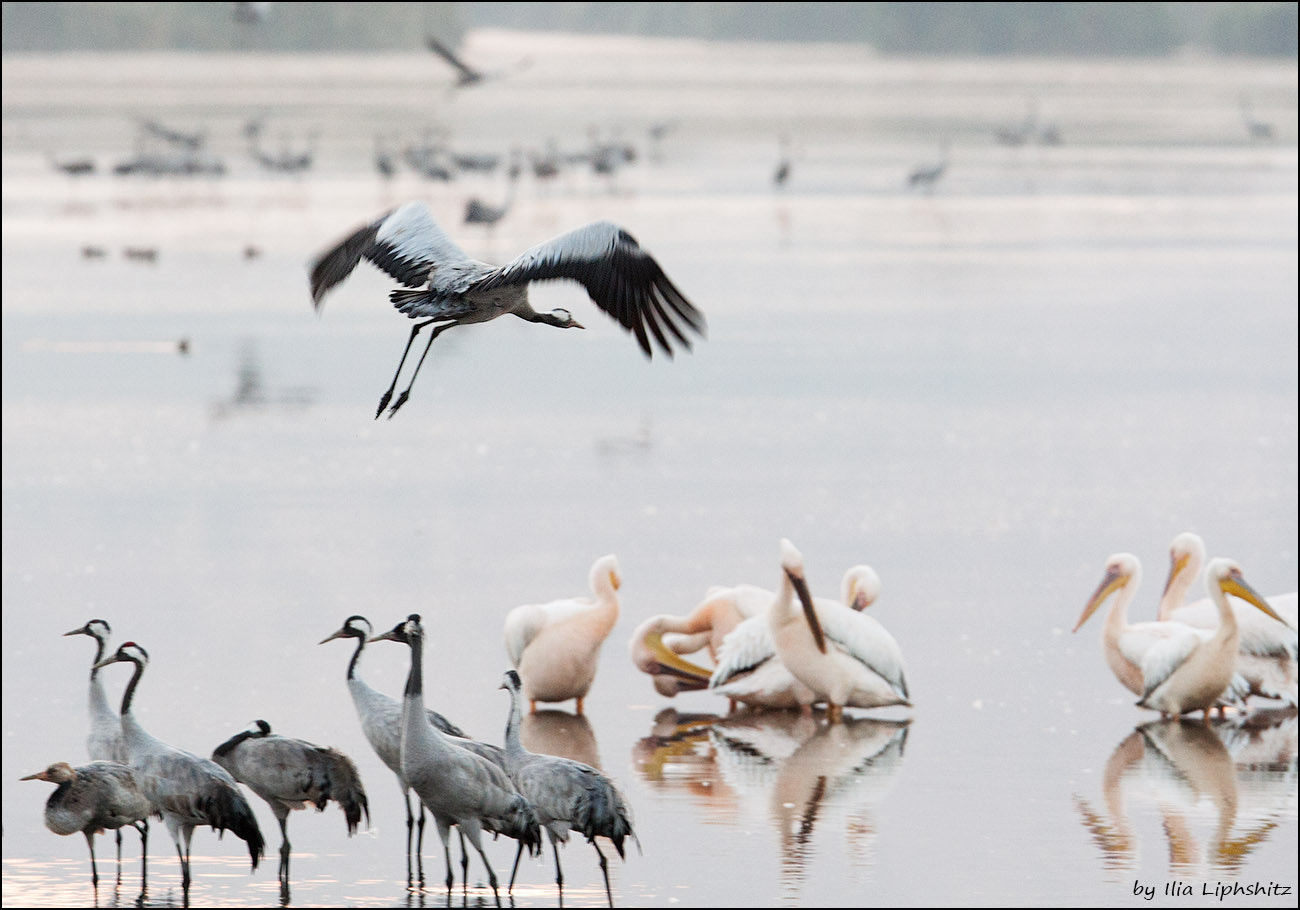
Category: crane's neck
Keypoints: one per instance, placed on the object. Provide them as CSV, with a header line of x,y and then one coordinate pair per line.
x,y
415,679
130,687
514,745
99,655
356,656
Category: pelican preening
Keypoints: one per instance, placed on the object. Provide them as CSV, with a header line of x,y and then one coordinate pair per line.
x,y
1170,665
458,787
659,643
555,646
748,669
453,289
567,795
187,790
289,774
381,722
94,797
844,657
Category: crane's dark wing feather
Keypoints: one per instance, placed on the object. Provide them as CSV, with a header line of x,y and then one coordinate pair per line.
x,y
621,278
406,243
446,54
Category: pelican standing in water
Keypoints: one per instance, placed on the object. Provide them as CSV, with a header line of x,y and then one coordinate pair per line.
x,y
555,646
1189,672
453,289
1266,650
658,644
1124,644
831,649
748,669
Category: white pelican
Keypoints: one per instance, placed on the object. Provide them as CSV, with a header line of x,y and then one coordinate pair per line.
x,y
555,646
657,645
453,289
748,669
846,660
1266,650
1123,643
1189,672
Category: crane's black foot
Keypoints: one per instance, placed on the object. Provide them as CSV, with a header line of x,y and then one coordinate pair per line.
x,y
383,403
401,400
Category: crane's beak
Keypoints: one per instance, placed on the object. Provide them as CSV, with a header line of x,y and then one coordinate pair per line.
x,y
1237,586
105,662
82,631
339,634
1109,585
383,636
809,611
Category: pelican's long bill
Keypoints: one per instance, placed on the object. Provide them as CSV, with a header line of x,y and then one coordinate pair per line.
x,y
809,611
1176,566
1237,586
672,664
1113,581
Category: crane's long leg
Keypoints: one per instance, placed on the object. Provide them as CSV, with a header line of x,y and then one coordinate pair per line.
x,y
284,849
118,832
475,840
401,399
444,832
94,871
559,876
383,402
464,859
143,827
604,870
519,851
410,829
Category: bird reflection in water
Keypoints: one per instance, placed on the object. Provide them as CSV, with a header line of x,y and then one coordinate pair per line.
x,y
251,396
1245,768
792,769
560,733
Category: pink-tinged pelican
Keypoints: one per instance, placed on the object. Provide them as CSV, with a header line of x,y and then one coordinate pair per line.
x,y
1189,672
658,644
1123,643
833,650
748,669
1266,650
555,646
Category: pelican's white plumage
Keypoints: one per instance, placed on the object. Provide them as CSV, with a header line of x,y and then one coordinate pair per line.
x,y
1125,644
1266,649
454,289
1189,672
658,646
835,651
748,669
555,646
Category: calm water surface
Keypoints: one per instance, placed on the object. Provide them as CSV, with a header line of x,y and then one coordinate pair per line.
x,y
1062,352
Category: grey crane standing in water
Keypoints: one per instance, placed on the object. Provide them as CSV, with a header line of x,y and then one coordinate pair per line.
x,y
381,722
453,289
479,212
459,787
105,740
289,774
187,790
93,797
567,794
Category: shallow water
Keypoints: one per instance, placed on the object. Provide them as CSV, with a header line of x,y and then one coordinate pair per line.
x,y
1060,353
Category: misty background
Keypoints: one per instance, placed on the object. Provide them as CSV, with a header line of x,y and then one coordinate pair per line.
x,y
1069,29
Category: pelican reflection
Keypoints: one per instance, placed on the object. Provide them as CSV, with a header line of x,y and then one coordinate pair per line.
x,y
560,733
1240,771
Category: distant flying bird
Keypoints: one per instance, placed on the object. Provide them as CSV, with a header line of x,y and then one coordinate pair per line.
x,y
556,646
94,797
289,774
466,75
76,167
927,175
453,289
567,795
